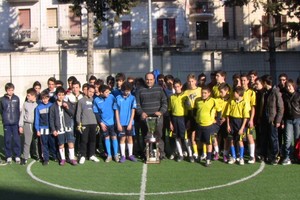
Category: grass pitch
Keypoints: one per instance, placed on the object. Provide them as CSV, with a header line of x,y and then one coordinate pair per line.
x,y
168,180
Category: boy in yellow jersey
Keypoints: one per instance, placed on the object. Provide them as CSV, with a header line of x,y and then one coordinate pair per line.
x,y
192,93
250,97
205,108
224,90
177,123
220,78
237,118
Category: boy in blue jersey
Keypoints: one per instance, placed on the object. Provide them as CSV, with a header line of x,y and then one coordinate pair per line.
x,y
120,79
103,108
125,110
42,125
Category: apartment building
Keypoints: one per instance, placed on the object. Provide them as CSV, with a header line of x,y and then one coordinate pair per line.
x,y
188,25
42,38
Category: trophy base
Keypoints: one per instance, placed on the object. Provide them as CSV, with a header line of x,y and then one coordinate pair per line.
x,y
152,153
152,161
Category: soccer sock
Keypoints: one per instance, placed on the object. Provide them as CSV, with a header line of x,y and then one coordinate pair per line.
x,y
242,152
122,149
252,150
225,153
107,145
216,149
233,152
62,153
188,147
208,157
204,149
178,145
115,146
130,149
195,149
71,154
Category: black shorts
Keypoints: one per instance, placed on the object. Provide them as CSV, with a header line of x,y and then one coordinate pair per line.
x,y
223,130
125,132
235,124
204,133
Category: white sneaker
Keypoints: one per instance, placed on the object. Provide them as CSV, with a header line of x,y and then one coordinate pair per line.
x,y
94,158
9,160
242,162
203,156
82,160
18,160
231,161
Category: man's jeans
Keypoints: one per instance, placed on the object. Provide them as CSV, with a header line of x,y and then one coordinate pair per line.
x,y
292,133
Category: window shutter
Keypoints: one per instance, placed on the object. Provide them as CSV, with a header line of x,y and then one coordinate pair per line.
x,y
52,17
160,38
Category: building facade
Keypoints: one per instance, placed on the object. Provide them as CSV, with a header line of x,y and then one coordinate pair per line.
x,y
42,38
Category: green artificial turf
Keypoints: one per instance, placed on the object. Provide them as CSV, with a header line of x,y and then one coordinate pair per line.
x,y
168,180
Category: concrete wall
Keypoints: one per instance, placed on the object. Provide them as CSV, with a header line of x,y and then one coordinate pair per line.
x,y
25,68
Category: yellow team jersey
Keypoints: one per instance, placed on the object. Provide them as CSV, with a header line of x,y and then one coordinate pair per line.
x,y
238,109
224,104
177,104
206,111
216,92
250,97
192,95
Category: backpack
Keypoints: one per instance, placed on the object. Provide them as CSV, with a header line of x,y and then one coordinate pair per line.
x,y
297,149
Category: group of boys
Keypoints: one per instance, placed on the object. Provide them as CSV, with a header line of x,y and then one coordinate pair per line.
x,y
203,117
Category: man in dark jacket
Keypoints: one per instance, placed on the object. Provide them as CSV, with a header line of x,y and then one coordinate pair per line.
x,y
10,111
271,119
291,101
152,101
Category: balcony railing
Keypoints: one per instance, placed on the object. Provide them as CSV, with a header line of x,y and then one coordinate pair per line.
x,y
141,41
22,1
217,44
18,35
201,10
65,34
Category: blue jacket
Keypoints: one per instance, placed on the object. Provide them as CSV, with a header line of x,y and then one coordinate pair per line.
x,y
42,119
10,110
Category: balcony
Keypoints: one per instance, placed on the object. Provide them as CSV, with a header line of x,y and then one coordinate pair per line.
x,y
201,10
23,36
140,40
67,35
22,1
217,44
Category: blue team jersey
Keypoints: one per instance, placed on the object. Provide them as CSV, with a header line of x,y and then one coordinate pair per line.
x,y
104,108
116,92
125,106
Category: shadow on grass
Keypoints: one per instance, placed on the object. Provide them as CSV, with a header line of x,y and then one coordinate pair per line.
x,y
52,194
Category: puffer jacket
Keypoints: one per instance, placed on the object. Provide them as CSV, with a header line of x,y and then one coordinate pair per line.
x,y
10,110
291,105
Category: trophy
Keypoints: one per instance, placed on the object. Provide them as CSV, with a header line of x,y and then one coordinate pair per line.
x,y
152,149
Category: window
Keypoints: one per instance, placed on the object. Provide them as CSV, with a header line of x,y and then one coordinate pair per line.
x,y
226,30
255,31
52,17
75,23
202,30
166,33
24,19
126,33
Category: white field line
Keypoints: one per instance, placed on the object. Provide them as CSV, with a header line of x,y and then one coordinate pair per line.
x,y
143,182
142,192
